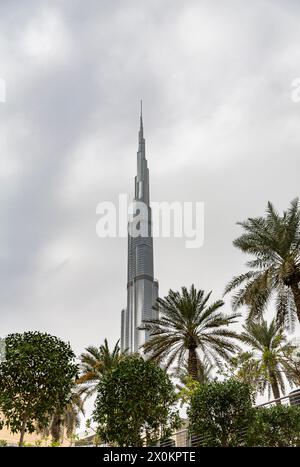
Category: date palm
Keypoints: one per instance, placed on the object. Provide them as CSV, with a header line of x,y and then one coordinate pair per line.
x,y
244,367
65,421
189,327
95,362
274,243
270,347
204,372
69,420
293,366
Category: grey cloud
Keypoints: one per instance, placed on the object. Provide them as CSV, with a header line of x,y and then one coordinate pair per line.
x,y
220,128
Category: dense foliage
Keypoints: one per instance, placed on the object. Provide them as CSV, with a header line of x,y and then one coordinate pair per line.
x,y
36,379
221,414
277,426
135,404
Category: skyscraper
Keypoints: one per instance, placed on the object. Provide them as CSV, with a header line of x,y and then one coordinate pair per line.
x,y
142,289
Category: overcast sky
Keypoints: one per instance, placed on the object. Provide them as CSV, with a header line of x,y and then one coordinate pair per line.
x,y
220,126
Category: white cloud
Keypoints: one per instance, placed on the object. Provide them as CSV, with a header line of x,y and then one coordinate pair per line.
x,y
45,37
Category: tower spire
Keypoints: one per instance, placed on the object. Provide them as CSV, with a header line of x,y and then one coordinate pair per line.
x,y
141,132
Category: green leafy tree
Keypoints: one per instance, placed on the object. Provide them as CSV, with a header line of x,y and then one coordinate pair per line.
x,y
189,327
221,414
95,362
36,376
274,243
187,390
135,404
277,426
270,348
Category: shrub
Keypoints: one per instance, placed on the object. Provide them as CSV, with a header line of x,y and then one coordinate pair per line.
x,y
221,414
277,426
135,404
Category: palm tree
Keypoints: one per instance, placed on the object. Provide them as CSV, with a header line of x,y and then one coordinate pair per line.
x,y
293,366
270,347
245,368
67,421
95,362
204,372
274,241
187,326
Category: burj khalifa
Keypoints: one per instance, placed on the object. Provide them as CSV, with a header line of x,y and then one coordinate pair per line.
x,y
142,288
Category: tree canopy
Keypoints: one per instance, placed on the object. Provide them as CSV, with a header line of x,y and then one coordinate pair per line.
x,y
273,241
190,329
135,404
221,413
36,379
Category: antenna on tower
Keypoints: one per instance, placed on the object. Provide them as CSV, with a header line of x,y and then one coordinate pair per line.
x,y
141,116
141,135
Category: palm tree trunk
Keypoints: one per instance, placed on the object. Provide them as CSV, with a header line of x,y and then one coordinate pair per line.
x,y
296,294
275,387
193,364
